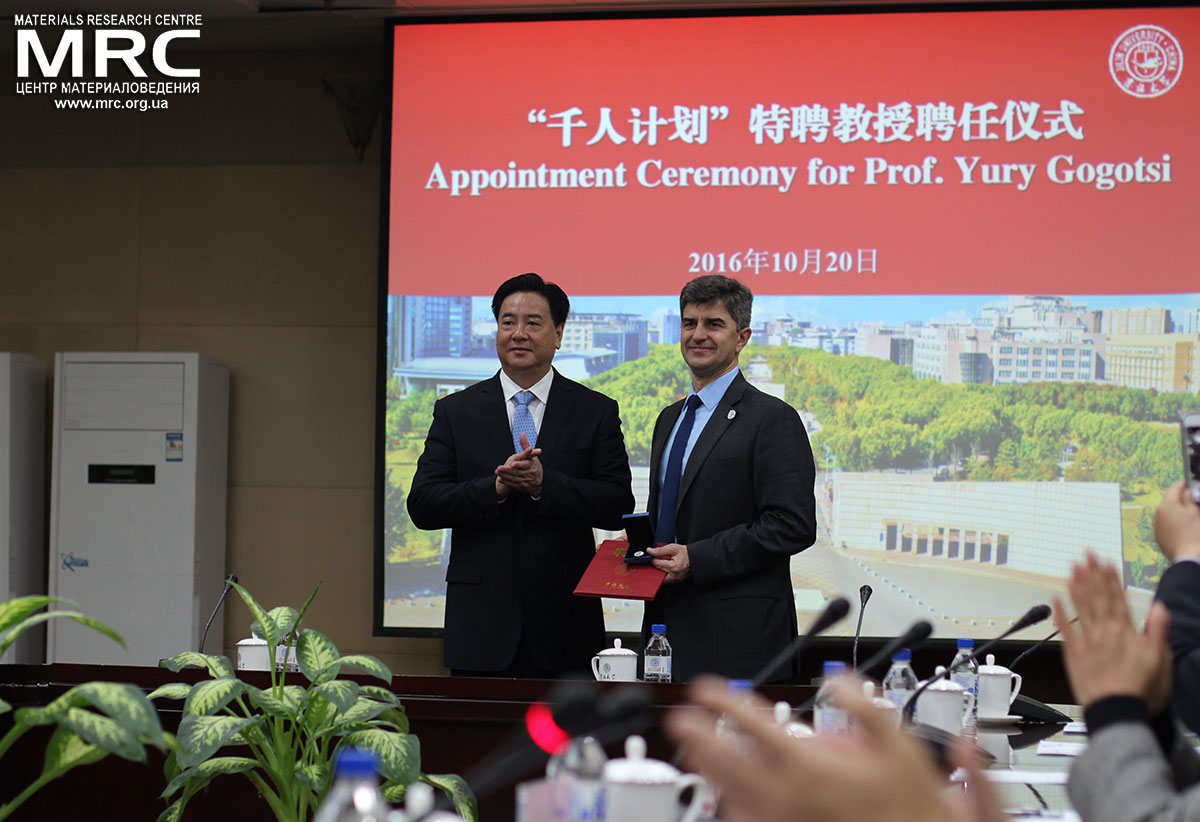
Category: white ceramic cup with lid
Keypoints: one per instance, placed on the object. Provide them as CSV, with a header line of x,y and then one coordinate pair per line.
x,y
941,705
793,727
998,689
615,664
649,790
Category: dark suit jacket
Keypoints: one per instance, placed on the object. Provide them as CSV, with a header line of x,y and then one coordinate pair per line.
x,y
1179,590
514,564
745,507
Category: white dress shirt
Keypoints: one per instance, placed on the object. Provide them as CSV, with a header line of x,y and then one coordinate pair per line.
x,y
537,406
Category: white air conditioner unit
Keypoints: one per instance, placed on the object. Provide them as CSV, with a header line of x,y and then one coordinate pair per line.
x,y
137,504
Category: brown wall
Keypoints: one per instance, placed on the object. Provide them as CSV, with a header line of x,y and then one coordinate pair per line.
x,y
238,223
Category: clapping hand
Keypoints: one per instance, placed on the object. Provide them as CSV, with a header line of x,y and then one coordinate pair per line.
x,y
1105,655
522,472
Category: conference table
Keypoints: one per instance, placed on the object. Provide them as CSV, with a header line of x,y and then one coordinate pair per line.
x,y
459,722
1032,763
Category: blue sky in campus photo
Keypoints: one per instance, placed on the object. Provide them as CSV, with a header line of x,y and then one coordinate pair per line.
x,y
891,309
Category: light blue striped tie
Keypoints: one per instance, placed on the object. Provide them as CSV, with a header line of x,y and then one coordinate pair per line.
x,y
523,421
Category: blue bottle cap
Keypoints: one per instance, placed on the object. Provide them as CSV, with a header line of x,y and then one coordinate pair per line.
x,y
658,628
833,667
966,643
355,763
903,655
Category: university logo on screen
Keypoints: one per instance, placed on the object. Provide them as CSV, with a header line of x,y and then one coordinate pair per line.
x,y
1145,61
105,61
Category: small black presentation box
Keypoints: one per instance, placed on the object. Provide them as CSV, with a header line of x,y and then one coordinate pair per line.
x,y
640,534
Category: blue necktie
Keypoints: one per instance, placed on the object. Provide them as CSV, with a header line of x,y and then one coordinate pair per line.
x,y
670,490
523,421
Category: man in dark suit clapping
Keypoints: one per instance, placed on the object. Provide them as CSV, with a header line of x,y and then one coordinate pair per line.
x,y
521,467
731,488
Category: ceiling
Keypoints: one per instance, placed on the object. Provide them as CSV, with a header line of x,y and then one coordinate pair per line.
x,y
333,23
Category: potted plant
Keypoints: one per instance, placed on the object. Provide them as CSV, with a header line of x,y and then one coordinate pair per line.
x,y
286,735
94,719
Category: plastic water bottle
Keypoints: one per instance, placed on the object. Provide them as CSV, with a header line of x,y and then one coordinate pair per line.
x,y
726,726
355,795
419,805
901,681
656,660
964,671
828,718
582,775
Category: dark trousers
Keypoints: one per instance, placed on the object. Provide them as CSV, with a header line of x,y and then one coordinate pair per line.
x,y
522,666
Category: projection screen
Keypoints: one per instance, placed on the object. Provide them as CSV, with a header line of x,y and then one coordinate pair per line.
x,y
969,235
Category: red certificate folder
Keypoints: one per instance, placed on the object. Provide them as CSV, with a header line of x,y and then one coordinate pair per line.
x,y
609,576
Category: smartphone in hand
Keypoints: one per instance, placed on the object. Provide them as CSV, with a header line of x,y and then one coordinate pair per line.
x,y
1190,425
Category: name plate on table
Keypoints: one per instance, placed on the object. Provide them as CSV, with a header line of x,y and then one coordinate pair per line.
x,y
609,576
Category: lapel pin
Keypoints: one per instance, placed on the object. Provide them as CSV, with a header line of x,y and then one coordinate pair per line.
x,y
731,414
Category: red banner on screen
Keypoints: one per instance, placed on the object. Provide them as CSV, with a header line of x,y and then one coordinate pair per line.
x,y
934,153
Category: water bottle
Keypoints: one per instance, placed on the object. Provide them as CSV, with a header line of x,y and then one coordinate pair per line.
x,y
419,805
828,718
583,797
656,662
355,795
901,681
727,727
964,671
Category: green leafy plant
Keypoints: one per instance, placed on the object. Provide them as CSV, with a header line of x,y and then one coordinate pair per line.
x,y
93,719
286,735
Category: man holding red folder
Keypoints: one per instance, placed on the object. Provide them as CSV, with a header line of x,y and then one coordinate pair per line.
x,y
731,485
521,467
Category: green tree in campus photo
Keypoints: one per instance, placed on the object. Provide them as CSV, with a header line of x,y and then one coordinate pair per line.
x,y
642,388
406,542
408,418
1146,562
406,421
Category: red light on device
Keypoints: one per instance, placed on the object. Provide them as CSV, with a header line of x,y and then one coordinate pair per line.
x,y
543,730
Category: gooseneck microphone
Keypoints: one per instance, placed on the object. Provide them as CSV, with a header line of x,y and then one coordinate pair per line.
x,y
229,580
837,608
1013,665
913,638
1032,617
1036,614
864,593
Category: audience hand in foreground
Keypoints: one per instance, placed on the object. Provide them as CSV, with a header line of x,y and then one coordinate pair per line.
x,y
879,773
1105,655
1177,524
